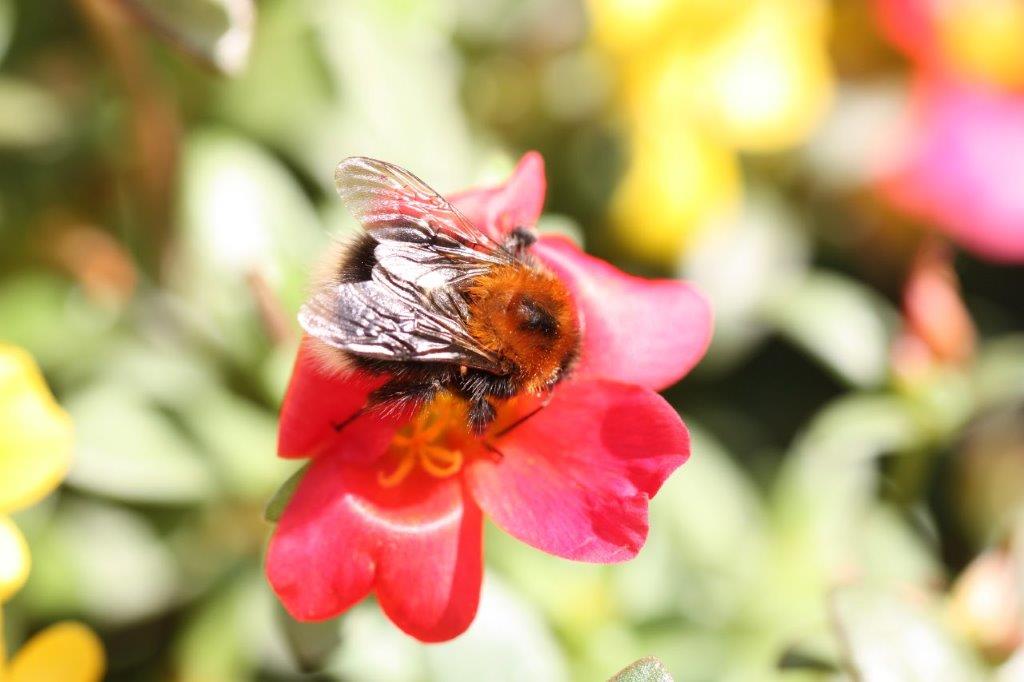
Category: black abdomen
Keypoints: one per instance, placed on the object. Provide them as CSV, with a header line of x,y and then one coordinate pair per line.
x,y
358,261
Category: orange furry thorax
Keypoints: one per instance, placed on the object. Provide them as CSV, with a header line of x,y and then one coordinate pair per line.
x,y
527,316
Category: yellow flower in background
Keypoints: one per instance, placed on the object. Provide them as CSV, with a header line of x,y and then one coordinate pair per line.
x,y
975,40
35,451
984,39
768,81
628,27
677,178
701,81
65,652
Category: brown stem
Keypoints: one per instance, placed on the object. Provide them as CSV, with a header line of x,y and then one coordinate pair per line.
x,y
153,126
272,314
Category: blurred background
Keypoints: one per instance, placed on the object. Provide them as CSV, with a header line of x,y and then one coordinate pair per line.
x,y
842,179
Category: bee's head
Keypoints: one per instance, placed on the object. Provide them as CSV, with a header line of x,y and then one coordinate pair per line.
x,y
537,317
528,317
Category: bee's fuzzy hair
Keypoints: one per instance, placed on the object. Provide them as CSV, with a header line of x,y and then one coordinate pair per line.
x,y
347,260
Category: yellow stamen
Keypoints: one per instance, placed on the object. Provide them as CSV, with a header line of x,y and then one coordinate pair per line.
x,y
419,443
403,469
440,462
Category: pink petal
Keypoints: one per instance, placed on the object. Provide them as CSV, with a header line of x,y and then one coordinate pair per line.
x,y
428,579
317,400
574,479
962,173
418,545
635,330
517,203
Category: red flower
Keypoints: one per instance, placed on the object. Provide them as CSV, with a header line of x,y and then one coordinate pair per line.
x,y
396,508
911,25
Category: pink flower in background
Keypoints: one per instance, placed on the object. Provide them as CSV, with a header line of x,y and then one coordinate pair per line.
x,y
395,506
963,167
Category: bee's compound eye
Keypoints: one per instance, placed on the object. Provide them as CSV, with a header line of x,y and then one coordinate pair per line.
x,y
534,317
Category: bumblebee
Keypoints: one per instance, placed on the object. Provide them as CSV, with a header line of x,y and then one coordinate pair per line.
x,y
427,300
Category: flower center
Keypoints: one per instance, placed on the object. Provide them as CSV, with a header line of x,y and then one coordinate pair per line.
x,y
427,441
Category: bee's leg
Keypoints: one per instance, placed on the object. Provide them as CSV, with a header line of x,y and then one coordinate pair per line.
x,y
476,390
491,448
395,396
522,420
338,426
495,453
481,414
519,240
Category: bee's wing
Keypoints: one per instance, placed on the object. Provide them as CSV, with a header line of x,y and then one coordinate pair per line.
x,y
393,204
390,318
411,308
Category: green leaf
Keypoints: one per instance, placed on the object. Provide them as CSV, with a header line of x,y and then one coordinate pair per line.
x,y
831,465
310,643
999,371
744,265
830,473
275,507
233,633
508,640
276,372
856,429
890,637
283,94
216,32
796,659
648,669
162,373
30,116
682,541
367,111
6,25
241,437
373,648
244,216
891,551
34,304
128,450
104,561
209,645
825,515
842,323
575,597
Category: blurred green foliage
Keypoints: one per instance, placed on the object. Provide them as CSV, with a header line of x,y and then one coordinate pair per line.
x,y
158,222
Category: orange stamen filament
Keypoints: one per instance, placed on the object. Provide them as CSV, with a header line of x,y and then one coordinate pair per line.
x,y
403,469
418,445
